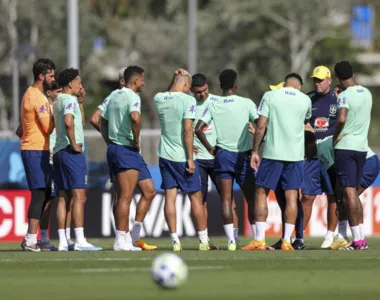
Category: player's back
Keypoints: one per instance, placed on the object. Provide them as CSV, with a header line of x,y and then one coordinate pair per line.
x,y
358,101
34,105
121,103
286,110
172,109
231,115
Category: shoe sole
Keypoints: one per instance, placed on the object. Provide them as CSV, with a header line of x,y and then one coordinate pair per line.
x,y
32,250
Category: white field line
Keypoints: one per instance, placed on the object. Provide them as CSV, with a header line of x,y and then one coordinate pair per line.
x,y
109,270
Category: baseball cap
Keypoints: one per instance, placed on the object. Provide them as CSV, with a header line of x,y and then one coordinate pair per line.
x,y
321,72
276,87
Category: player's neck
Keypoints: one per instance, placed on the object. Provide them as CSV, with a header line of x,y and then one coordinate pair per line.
x,y
131,87
38,85
230,92
67,91
176,88
347,83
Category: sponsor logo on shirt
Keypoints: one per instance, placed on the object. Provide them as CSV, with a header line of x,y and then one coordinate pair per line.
x,y
332,110
205,112
321,124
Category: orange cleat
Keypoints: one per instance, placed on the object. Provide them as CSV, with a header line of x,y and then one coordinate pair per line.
x,y
286,246
255,245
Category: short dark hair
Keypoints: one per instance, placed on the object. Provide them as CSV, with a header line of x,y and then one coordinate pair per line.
x,y
42,66
343,70
198,80
227,79
53,86
66,76
294,75
310,137
132,71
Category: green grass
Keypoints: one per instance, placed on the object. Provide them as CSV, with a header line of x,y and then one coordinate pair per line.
x,y
308,274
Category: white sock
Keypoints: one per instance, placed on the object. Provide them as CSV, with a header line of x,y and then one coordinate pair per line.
x,y
289,228
362,237
119,237
229,230
329,235
79,235
356,236
68,235
342,228
44,236
260,230
128,238
174,238
203,237
135,233
236,233
31,239
253,227
62,237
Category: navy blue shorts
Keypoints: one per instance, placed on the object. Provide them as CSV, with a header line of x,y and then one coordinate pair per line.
x,y
316,179
122,158
174,175
370,171
37,168
206,169
349,166
288,174
144,171
233,165
70,170
52,185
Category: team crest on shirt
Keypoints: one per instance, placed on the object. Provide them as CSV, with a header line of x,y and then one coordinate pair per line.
x,y
69,106
332,110
192,108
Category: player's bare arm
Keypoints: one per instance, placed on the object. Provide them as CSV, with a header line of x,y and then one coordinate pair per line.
x,y
189,141
202,137
103,129
257,140
70,131
340,122
95,119
136,127
19,131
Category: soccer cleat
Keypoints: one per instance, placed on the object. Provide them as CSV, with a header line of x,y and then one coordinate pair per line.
x,y
204,247
327,243
255,245
32,248
63,247
86,246
144,246
176,247
358,245
286,246
364,245
232,246
23,243
213,246
277,245
47,246
339,243
298,245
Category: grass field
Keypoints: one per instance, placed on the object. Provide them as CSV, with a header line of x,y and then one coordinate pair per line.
x,y
308,274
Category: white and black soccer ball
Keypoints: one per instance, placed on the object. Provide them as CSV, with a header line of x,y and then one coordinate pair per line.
x,y
169,270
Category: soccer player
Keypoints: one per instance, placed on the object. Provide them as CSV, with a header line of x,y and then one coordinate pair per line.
x,y
179,170
350,142
284,112
36,126
70,169
206,163
114,128
322,123
232,147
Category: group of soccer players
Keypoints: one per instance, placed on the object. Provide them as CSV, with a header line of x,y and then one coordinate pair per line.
x,y
314,143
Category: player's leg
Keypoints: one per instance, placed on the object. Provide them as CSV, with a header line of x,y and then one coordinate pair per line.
x,y
45,244
267,178
291,181
349,166
307,207
36,165
280,197
64,198
69,213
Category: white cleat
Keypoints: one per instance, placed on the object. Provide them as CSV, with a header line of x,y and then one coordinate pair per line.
x,y
125,247
85,246
327,244
62,247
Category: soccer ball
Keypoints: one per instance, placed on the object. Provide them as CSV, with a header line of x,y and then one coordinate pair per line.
x,y
169,270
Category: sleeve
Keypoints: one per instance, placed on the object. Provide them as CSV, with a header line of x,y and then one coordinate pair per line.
x,y
309,110
105,113
135,104
104,104
252,111
264,106
189,109
342,101
42,108
206,116
69,106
